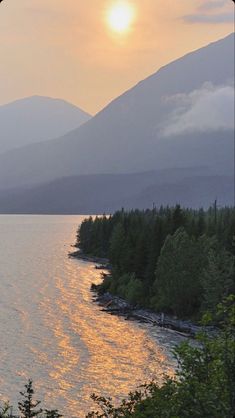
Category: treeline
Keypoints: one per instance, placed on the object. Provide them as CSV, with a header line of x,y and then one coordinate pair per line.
x,y
174,260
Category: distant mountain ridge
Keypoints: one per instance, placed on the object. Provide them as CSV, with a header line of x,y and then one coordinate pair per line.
x,y
37,118
129,134
91,194
181,118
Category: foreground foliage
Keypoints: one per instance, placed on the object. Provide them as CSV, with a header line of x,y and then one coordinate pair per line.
x,y
28,406
204,385
175,260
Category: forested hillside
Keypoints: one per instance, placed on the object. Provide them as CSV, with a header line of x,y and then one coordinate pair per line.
x,y
175,260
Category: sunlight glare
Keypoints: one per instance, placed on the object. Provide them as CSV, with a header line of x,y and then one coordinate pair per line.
x,y
120,16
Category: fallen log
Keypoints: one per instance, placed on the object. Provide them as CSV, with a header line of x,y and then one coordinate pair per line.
x,y
115,305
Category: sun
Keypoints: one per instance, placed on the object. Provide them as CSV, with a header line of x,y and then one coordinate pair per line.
x,y
120,16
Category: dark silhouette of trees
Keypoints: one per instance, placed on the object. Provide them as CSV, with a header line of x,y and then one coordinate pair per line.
x,y
28,405
172,259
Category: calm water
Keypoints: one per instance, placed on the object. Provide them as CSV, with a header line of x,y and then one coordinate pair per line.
x,y
52,332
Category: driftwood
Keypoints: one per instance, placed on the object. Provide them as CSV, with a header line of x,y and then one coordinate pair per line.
x,y
115,305
118,306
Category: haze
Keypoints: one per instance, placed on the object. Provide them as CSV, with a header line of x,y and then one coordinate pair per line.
x,y
67,50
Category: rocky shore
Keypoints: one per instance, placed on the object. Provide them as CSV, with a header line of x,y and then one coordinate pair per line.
x,y
115,305
101,263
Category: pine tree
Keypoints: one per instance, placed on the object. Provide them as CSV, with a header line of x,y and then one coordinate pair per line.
x,y
178,218
118,247
217,279
177,287
28,406
6,411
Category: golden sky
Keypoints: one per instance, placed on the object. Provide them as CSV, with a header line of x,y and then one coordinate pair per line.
x,y
67,49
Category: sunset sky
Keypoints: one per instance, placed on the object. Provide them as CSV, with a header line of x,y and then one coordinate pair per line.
x,y
83,51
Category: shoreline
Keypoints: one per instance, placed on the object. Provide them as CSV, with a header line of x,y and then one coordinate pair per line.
x,y
115,305
102,263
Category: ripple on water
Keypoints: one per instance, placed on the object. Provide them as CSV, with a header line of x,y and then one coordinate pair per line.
x,y
51,330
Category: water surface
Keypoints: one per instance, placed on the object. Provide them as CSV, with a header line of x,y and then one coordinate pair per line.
x,y
52,332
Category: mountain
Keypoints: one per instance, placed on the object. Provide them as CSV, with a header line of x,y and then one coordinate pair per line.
x,y
106,193
181,116
36,119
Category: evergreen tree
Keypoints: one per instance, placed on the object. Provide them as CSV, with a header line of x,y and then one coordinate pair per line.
x,y
6,411
178,218
28,406
201,224
134,242
217,279
118,247
177,286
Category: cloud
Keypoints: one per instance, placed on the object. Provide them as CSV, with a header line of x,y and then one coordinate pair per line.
x,y
212,12
209,18
210,108
212,4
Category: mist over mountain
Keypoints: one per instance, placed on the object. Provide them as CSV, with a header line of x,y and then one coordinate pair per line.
x,y
36,119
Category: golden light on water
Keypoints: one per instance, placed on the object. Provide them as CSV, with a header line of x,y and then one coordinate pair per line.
x,y
57,335
120,16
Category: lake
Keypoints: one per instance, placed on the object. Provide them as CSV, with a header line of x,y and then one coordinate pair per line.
x,y
52,332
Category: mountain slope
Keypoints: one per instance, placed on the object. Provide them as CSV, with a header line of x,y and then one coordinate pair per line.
x,y
95,193
35,119
157,124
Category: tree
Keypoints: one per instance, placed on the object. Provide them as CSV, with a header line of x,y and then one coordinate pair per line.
x,y
28,406
130,288
6,411
178,218
118,248
177,287
217,279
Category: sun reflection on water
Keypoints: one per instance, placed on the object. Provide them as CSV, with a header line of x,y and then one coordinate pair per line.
x,y
117,355
59,337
